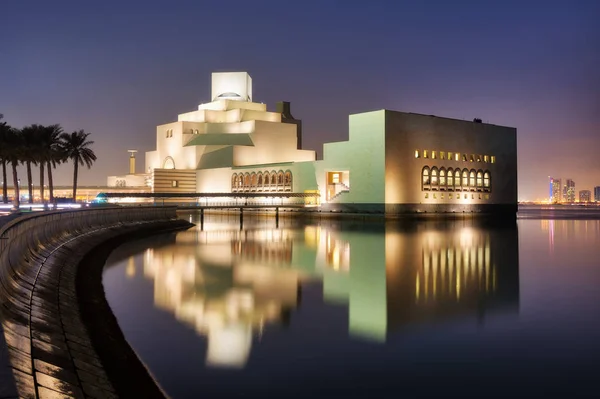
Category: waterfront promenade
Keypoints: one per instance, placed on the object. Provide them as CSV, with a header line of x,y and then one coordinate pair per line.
x,y
61,339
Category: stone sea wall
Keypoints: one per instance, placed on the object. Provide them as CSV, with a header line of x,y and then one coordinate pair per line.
x,y
51,311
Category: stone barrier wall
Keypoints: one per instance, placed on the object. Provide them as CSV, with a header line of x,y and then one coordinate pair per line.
x,y
49,347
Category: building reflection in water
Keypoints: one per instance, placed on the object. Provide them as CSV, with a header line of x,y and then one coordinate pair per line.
x,y
230,285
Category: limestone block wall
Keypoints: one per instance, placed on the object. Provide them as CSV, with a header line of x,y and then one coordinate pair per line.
x,y
49,346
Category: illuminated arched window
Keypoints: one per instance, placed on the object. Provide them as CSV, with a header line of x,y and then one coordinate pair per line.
x,y
479,179
234,179
465,179
260,179
450,179
457,179
443,178
273,178
434,177
472,178
247,181
487,183
287,179
426,179
169,163
280,178
253,179
267,179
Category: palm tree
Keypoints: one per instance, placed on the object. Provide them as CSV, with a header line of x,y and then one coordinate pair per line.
x,y
50,154
76,147
4,129
14,150
30,154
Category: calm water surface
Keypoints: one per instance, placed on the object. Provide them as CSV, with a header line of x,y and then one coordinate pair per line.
x,y
408,309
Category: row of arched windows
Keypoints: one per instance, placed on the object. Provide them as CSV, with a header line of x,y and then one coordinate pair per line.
x,y
262,181
456,179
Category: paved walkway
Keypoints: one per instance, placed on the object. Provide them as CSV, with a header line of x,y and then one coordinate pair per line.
x,y
7,381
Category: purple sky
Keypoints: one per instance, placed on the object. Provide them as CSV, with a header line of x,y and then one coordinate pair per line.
x,y
118,70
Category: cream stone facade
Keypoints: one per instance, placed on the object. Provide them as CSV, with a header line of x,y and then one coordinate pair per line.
x,y
393,162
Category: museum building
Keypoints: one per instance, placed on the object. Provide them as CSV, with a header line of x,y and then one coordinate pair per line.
x,y
393,162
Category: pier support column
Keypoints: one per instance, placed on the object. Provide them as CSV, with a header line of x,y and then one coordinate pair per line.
x,y
241,218
201,219
277,217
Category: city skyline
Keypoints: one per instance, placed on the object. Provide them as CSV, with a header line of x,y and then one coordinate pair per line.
x,y
512,64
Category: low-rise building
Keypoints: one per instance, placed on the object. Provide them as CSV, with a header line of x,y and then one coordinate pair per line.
x,y
393,162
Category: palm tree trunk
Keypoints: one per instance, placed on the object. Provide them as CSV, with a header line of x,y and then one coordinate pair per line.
x,y
50,183
29,182
75,181
16,200
42,180
4,183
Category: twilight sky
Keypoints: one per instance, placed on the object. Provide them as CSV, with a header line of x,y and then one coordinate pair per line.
x,y
119,68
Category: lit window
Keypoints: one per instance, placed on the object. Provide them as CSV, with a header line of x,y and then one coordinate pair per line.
x,y
486,158
472,178
450,180
478,158
450,156
196,131
472,158
486,181
433,155
443,178
457,179
416,153
464,157
425,155
426,180
487,196
434,177
457,157
479,179
450,196
442,155
442,196
465,178
434,196
465,196
174,183
493,159
426,195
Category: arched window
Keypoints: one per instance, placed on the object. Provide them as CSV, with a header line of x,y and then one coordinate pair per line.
x,y
273,178
169,163
465,179
479,179
426,180
234,179
434,177
442,178
280,178
487,183
267,179
287,179
472,178
247,181
457,179
260,179
450,179
253,180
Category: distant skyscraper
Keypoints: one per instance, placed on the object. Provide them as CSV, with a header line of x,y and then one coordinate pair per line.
x,y
569,191
555,190
585,196
597,193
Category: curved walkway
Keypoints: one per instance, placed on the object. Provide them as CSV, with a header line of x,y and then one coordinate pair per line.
x,y
49,345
